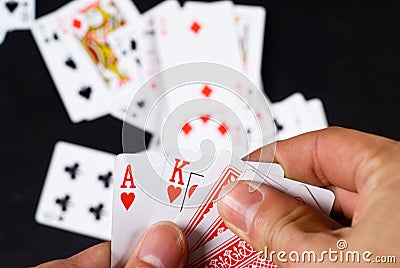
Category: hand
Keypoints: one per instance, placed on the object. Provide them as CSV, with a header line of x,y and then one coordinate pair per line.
x,y
163,245
363,170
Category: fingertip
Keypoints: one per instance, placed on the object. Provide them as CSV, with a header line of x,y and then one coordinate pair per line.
x,y
162,245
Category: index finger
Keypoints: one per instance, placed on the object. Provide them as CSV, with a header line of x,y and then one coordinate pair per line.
x,y
333,156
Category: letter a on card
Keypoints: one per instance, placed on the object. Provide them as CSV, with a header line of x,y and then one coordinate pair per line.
x,y
128,198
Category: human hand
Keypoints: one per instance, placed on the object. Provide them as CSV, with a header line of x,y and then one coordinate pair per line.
x,y
163,245
363,170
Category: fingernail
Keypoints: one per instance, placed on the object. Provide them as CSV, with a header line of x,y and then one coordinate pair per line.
x,y
162,246
238,204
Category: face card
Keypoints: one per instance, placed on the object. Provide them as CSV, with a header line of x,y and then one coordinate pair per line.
x,y
77,194
87,25
17,14
68,71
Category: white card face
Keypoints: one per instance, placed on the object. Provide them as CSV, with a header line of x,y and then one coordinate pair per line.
x,y
144,60
87,25
317,115
86,71
194,113
69,72
147,189
294,115
290,116
77,194
204,34
17,14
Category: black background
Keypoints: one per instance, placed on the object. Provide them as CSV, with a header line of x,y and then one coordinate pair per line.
x,y
345,52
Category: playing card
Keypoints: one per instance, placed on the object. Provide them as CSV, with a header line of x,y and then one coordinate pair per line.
x,y
249,23
154,144
154,185
145,59
202,223
204,34
86,71
317,115
87,24
148,184
228,250
290,116
193,113
17,14
68,70
294,115
77,193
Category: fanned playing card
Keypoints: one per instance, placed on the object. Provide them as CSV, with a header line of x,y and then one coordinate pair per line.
x,y
69,71
202,223
151,187
205,34
295,115
148,188
138,49
77,193
98,78
88,25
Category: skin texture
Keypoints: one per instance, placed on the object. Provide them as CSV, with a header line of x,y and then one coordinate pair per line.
x,y
362,170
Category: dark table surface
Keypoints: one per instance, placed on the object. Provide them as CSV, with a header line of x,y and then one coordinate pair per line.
x,y
345,52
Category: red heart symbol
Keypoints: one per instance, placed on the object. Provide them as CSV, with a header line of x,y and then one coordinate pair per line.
x,y
127,199
191,190
173,193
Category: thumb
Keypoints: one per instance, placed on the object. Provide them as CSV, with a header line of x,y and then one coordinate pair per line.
x,y
265,217
163,245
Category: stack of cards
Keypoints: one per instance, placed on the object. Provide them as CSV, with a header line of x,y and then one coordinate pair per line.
x,y
15,15
296,115
148,188
100,52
